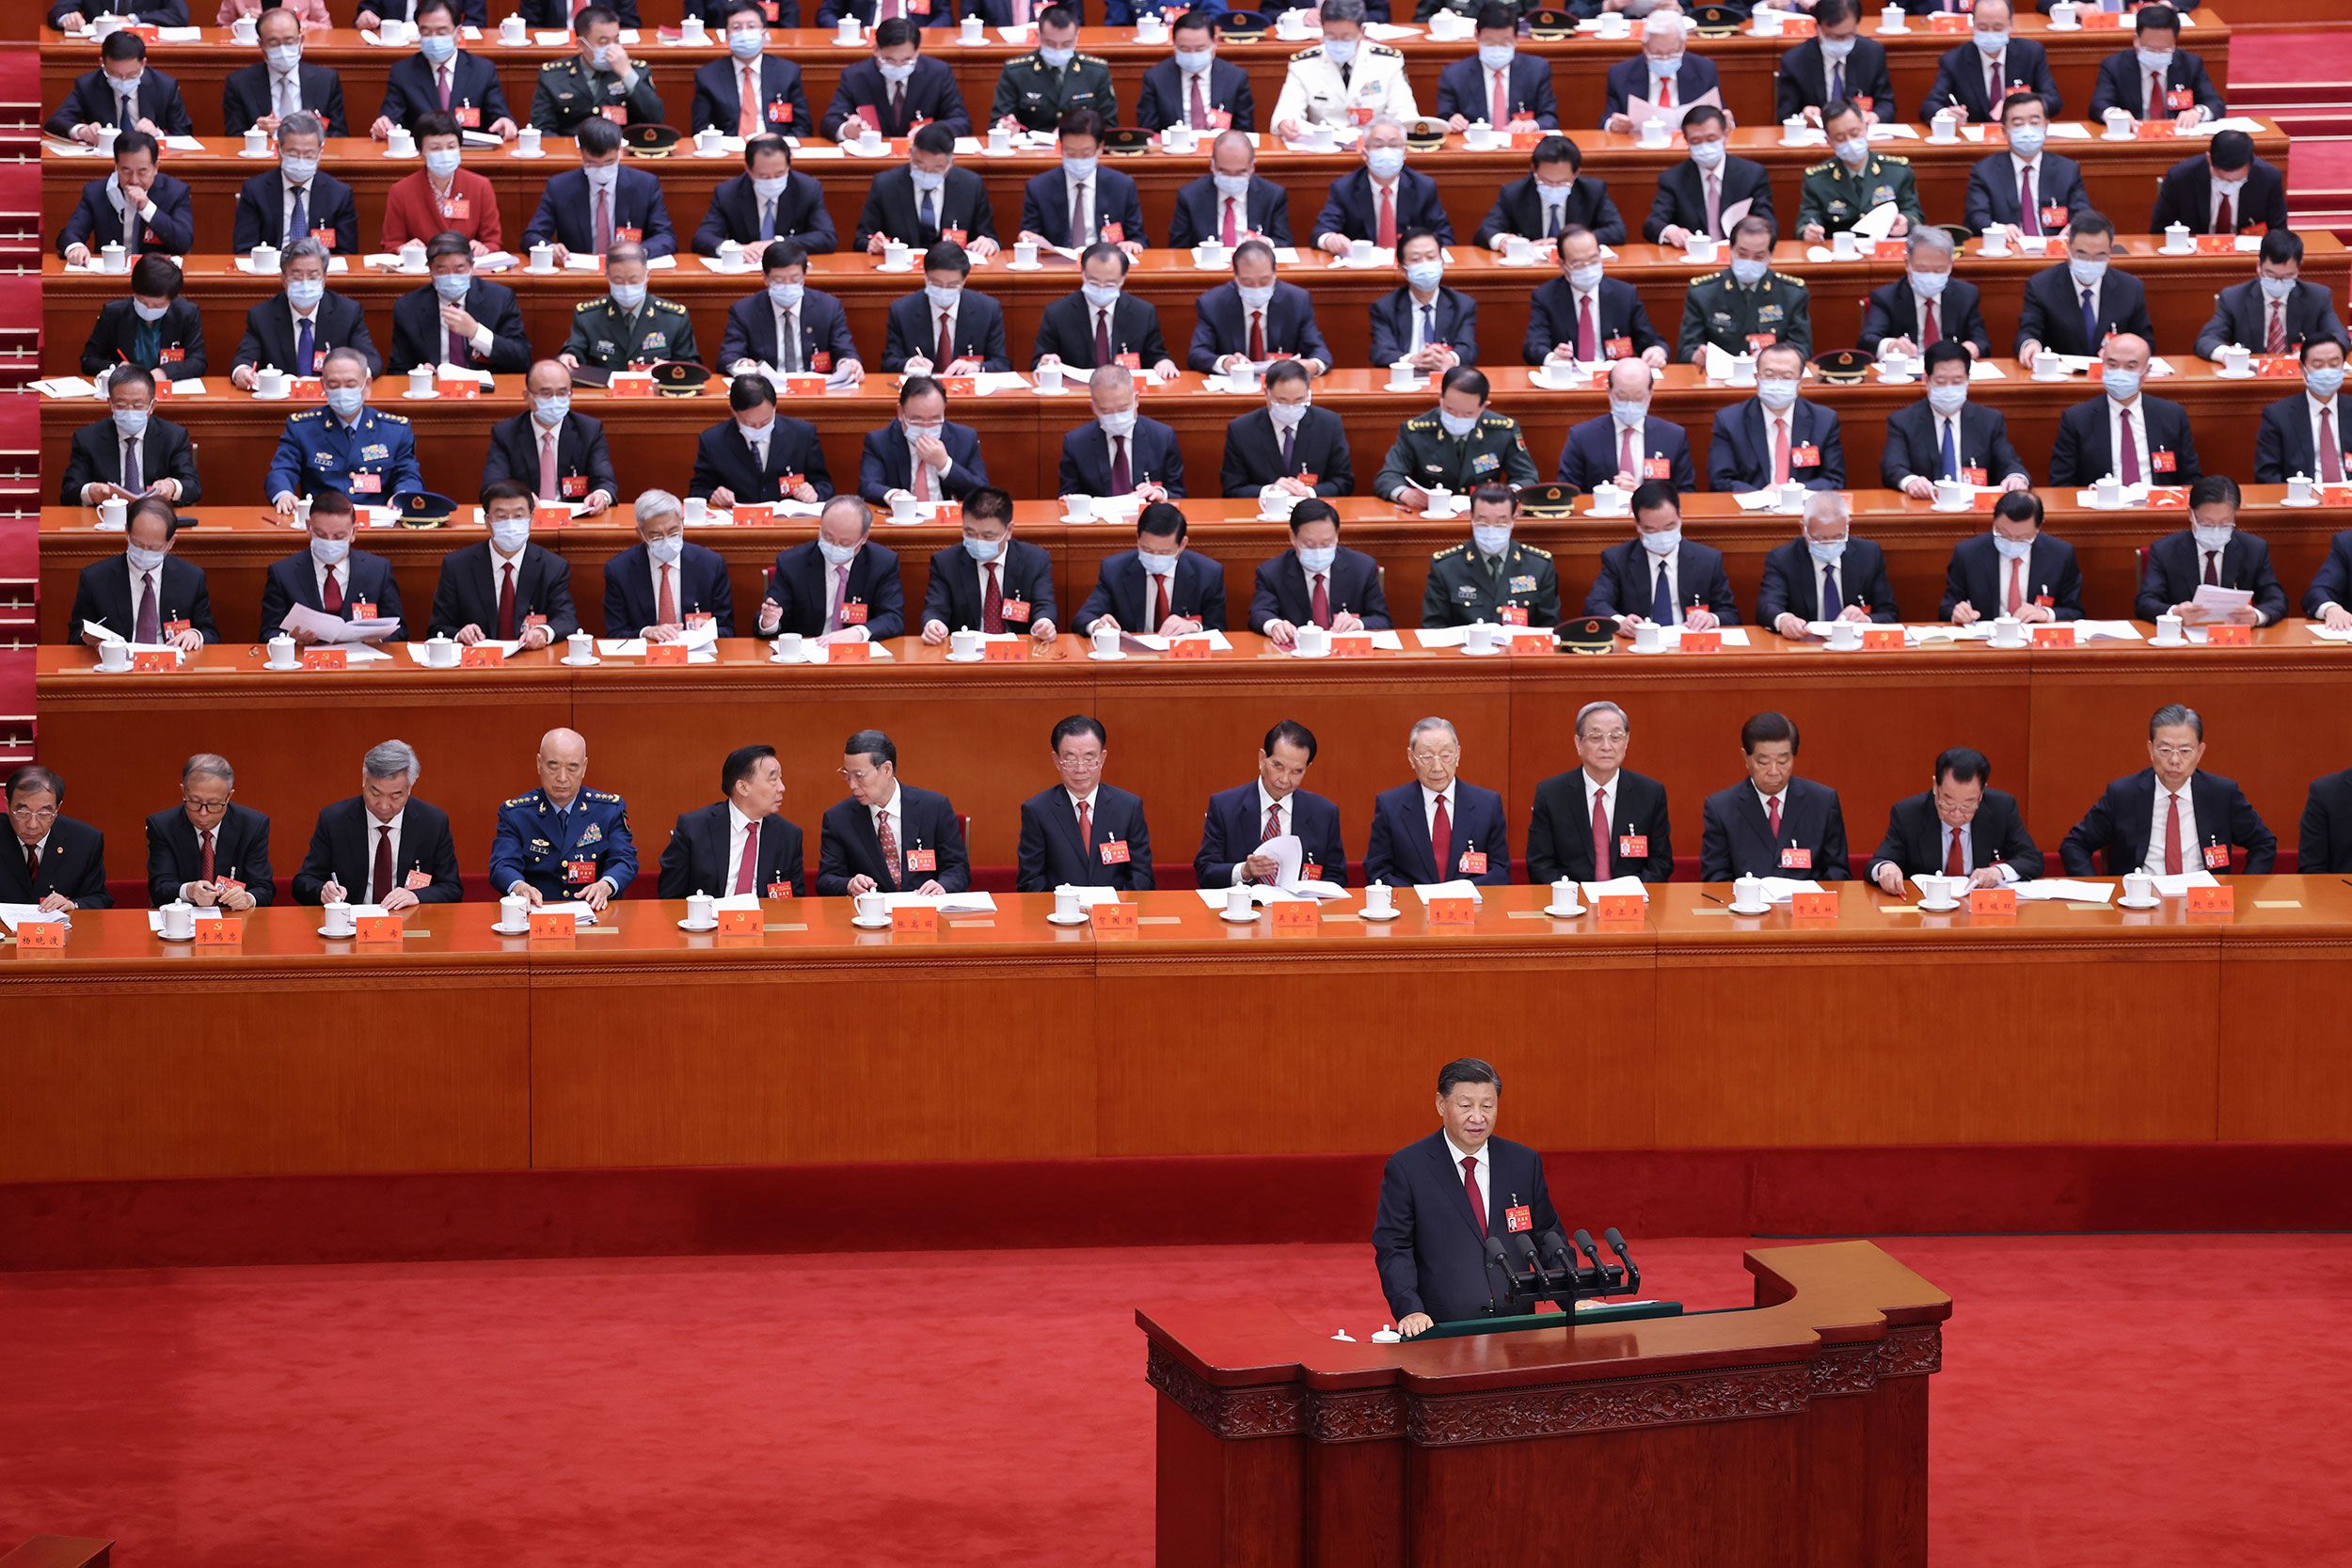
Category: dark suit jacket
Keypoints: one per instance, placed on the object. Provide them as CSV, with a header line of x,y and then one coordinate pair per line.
x,y
473,82
240,848
1997,836
831,12
557,13
1915,446
1200,214
342,850
103,594
419,339
269,333
797,584
1349,208
1066,331
1233,830
1740,453
930,94
96,223
2080,454
1681,200
1281,591
1518,209
801,216
73,863
245,97
93,102
566,212
1736,840
2173,566
2122,85
718,100
1789,587
695,857
1430,1250
846,847
115,330
1165,100
579,454
2324,841
2242,316
1152,453
914,328
1051,855
468,594
1222,327
723,459
1623,587
751,330
1045,208
1630,78
2186,196
261,211
1802,80
1463,90
367,576
1960,77
702,589
1253,454
1590,453
885,464
1122,588
1894,312
1977,574
893,209
165,452
1993,192
2119,824
1551,320
1401,855
2333,585
1392,324
1559,829
952,596
713,13
2051,313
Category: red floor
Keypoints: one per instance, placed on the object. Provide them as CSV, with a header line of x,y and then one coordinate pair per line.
x,y
2128,1401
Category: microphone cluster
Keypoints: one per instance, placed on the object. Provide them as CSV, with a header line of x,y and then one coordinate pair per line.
x,y
1523,1268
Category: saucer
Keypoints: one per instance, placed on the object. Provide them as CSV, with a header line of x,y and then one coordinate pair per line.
x,y
271,397
966,658
1469,652
2247,374
167,936
521,930
2168,641
1391,913
778,658
1097,653
339,936
1019,266
1945,908
518,152
283,668
879,923
421,397
577,663
1079,919
908,267
2139,903
1751,909
1558,913
2289,500
1297,652
683,925
1231,918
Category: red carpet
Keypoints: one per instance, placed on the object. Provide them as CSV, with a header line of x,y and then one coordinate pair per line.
x,y
2146,1401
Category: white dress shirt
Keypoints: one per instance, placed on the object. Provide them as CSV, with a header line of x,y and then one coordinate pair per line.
x,y
1609,802
1414,302
285,92
1080,198
1482,1174
740,827
1283,806
2192,853
366,893
2233,193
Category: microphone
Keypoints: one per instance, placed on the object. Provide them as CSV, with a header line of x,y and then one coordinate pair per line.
x,y
1498,1259
1556,1247
1584,1244
1616,1244
1540,1282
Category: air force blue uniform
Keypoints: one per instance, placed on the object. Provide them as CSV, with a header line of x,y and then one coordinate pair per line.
x,y
372,459
547,847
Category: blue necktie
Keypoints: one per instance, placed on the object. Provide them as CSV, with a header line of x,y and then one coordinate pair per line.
x,y
302,346
2090,324
299,223
1833,602
1951,458
768,220
1429,325
1662,606
929,215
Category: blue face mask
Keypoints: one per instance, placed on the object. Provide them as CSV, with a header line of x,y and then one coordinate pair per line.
x,y
1496,57
897,74
1457,425
346,401
1748,274
437,47
2123,385
304,293
1825,554
1318,558
131,421
1855,150
550,411
441,162
666,550
1423,276
1385,163
1628,413
1192,62
786,297
746,45
983,550
1776,393
2324,382
836,555
1056,60
1664,542
451,286
143,562
1339,50
629,296
1491,539
1930,285
1235,185
1707,154
2086,274
2276,289
2025,140
1100,296
1992,44
924,182
2012,550
1080,168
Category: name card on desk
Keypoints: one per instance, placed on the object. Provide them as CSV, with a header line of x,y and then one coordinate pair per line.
x,y
377,928
477,657
550,515
1296,915
1702,641
1351,644
849,652
553,922
223,932
1615,907
1453,911
1113,917
47,935
2229,637
805,386
146,661
1531,642
914,918
2211,900
324,659
1812,906
1189,647
748,516
1014,652
742,923
2053,637
959,386
1992,901
1883,640
1889,250
667,653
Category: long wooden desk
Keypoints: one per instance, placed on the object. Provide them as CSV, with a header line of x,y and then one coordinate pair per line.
x,y
1579,65
458,1048
2181,292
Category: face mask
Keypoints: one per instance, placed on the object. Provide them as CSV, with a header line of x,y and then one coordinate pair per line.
x,y
1837,49
1584,279
2229,188
451,286
346,401
933,184
629,296
2025,140
768,190
2012,550
1286,416
1102,296
1708,155
981,550
1948,399
600,57
1991,44
1385,163
1080,168
836,555
2279,289
1423,276
755,433
1235,185
602,177
304,293
437,47
1825,555
1776,395
510,534
1158,565
1457,425
282,59
441,162
126,87
2324,382
1853,152
746,45
1747,273
666,550
147,313
131,421
2121,385
1339,50
1256,299
1659,70
896,76
329,552
299,170
786,297
1665,541
143,562
2154,63
1318,558
1121,425
2087,274
926,428
942,299
1628,413
549,411
1929,285
1496,57
2211,538
1193,62
1055,59
1491,538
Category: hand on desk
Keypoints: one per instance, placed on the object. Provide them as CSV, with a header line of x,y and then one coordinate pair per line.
x,y
394,902
1280,633
934,633
596,894
1889,876
930,890
722,499
55,903
1414,1325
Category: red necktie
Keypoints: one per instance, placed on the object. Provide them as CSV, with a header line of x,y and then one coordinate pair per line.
x,y
1388,217
1665,92
1772,817
1469,1190
2128,466
2224,218
2173,837
1102,339
442,76
1319,609
1441,838
1232,231
1273,823
602,234
1086,828
506,603
747,114
2155,98
2212,573
382,881
1587,340
887,837
992,604
665,609
2277,342
2029,216
1257,336
1200,107
208,855
748,866
1935,329
1159,603
946,346
1498,110
1951,856
1602,863
1625,465
2331,457
332,601
1780,451
2016,586
1993,86
548,485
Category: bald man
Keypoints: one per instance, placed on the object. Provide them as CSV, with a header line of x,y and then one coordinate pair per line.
x,y
564,841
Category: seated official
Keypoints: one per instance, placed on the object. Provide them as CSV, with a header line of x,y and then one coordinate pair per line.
x,y
921,455
1625,445
130,453
207,850
1973,78
1555,197
559,454
1604,820
2017,570
553,13
1082,203
1772,823
928,200
755,90
136,207
992,582
599,82
1491,577
888,836
838,586
1381,201
1289,446
1854,182
1458,446
1963,827
1343,78
382,845
442,76
1160,588
1837,65
1658,576
1944,435
1926,305
1425,323
348,445
2125,432
897,91
297,198
2227,191
2170,817
1120,452
124,93
328,576
2155,81
562,841
151,328
1498,86
460,319
59,864
146,596
1776,438
874,13
1256,319
75,17
2304,434
443,197
295,329
2073,307
506,588
1437,829
1193,87
1232,202
1826,573
662,587
627,327
2022,188
1746,305
2276,311
1101,324
2326,600
758,458
2212,550
1711,191
1036,89
1240,819
591,210
1083,832
768,201
1585,316
2324,836
743,843
950,327
1665,73
788,325
1316,582
1433,1265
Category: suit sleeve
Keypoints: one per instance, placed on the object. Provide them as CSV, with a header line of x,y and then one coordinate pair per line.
x,y
954,866
2005,458
1714,846
1375,611
1210,867
1393,1244
2248,830
1834,867
2314,833
163,875
1771,594
2085,839
674,879
91,894
2155,592
2032,322
2018,849
1029,858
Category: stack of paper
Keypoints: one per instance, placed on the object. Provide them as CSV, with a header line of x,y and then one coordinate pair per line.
x,y
1780,890
2063,890
1159,644
2177,887
1461,887
1259,894
324,627
946,903
14,915
1616,887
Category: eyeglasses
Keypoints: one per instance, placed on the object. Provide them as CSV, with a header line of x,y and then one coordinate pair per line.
x,y
207,807
33,813
2173,753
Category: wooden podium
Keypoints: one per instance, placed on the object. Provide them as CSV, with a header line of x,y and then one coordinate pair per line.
x,y
1791,1432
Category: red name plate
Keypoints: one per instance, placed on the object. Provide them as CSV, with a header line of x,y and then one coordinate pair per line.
x,y
1621,906
1702,641
1296,915
476,656
665,652
324,659
740,923
1014,652
1113,917
42,934
1189,647
546,516
553,923
223,932
630,387
1883,638
1812,906
153,662
2229,637
1453,911
379,927
1993,900
1352,645
1531,642
2053,637
849,652
914,917
2213,900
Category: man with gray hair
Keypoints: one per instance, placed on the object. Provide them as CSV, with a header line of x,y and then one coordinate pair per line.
x,y
2169,819
297,200
839,587
293,329
1437,829
1926,305
1603,820
281,84
383,845
207,850
1826,573
662,587
1382,201
54,862
1347,72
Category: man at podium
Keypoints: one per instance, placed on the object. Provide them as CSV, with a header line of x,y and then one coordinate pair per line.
x,y
1442,1198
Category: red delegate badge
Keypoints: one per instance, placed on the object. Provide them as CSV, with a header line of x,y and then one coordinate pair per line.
x,y
1794,859
1517,1218
922,860
1633,847
1114,853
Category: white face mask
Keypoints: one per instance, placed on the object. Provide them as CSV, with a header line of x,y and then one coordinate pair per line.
x,y
1158,565
144,562
942,299
2211,538
1929,285
1287,415
602,177
1495,56
1235,185
329,552
1664,542
1255,299
508,535
2277,289
666,550
1776,393
836,555
1120,424
1492,539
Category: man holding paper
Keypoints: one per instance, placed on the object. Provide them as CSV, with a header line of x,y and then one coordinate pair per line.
x,y
2210,571
1826,573
1083,832
662,587
2168,819
1602,822
1239,832
1773,823
130,453
1661,81
1437,829
742,844
1159,588
1963,827
59,864
331,579
146,596
1846,190
209,851
888,837
564,840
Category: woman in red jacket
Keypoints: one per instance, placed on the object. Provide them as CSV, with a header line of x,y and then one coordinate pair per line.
x,y
441,196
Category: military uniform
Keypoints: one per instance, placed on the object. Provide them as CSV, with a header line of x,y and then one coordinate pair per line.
x,y
1835,196
562,852
1315,93
569,94
1034,93
370,460
1522,589
1716,310
1426,457
605,337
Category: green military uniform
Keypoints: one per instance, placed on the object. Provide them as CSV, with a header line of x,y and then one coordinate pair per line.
x,y
1034,93
607,337
1466,585
570,94
1835,196
1426,457
1716,310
